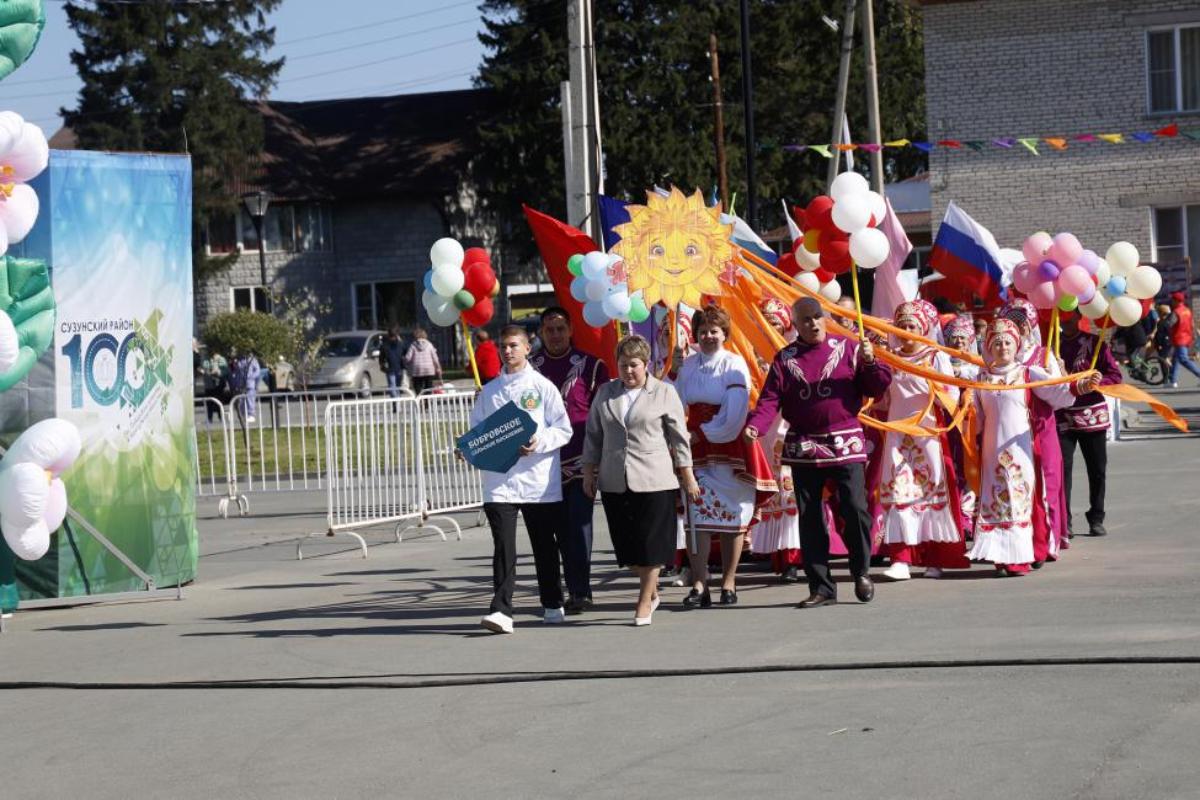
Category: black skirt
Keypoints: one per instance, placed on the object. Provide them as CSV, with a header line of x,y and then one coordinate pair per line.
x,y
642,526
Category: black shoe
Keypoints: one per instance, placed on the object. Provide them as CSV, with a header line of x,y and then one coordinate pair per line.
x,y
1097,529
879,561
864,589
790,575
695,598
578,605
1038,564
817,600
728,598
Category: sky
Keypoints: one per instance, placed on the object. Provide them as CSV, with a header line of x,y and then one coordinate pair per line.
x,y
348,48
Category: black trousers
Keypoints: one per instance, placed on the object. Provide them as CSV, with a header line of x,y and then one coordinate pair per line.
x,y
541,520
814,537
1094,446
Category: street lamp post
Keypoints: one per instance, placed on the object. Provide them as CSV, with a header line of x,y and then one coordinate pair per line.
x,y
256,206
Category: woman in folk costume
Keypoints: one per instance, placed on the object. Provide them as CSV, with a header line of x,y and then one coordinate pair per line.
x,y
1045,429
918,491
734,476
777,533
1013,510
959,333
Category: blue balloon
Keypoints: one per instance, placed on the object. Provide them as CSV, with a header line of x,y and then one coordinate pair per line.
x,y
1115,286
579,288
593,314
428,281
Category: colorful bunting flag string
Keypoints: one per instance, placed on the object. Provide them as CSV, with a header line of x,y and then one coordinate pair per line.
x,y
1030,143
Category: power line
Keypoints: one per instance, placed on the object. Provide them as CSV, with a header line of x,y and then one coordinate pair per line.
x,y
377,23
357,45
376,62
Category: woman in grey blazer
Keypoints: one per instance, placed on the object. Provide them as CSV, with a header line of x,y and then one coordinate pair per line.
x,y
637,452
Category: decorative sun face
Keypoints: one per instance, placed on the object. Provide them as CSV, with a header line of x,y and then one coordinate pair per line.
x,y
674,248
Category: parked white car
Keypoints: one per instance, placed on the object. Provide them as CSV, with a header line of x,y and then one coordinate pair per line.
x,y
351,361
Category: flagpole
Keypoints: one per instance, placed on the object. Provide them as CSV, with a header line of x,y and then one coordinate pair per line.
x,y
862,331
1050,335
471,354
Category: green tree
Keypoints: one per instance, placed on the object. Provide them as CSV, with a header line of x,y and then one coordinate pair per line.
x,y
236,332
177,77
656,98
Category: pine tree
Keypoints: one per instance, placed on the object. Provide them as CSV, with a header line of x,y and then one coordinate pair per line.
x,y
656,98
177,77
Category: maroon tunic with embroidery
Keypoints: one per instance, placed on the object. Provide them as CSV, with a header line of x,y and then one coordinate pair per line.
x,y
1089,412
578,375
819,389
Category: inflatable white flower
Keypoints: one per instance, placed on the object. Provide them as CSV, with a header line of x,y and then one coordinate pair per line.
x,y
33,499
24,153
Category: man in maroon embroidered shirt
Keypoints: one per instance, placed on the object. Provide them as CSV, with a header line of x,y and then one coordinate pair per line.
x,y
1086,422
578,375
818,383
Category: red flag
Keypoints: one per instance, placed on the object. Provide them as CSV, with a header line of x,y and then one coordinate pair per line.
x,y
557,242
1168,131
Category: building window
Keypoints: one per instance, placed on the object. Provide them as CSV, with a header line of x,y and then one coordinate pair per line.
x,y
1173,69
287,228
382,304
249,298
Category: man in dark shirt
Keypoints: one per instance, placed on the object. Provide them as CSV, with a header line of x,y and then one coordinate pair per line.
x,y
391,360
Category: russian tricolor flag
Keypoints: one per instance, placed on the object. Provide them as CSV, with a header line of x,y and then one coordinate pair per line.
x,y
967,253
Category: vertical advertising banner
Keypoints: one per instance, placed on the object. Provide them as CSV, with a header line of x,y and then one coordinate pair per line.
x,y
121,269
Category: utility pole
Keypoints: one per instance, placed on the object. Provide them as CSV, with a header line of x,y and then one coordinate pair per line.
x,y
868,30
748,109
839,104
718,122
580,117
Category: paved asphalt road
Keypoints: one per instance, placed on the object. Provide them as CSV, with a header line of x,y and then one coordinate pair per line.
x,y
409,613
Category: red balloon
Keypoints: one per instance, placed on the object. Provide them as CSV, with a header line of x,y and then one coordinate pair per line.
x,y
479,280
479,314
824,275
835,255
819,213
801,218
787,263
476,255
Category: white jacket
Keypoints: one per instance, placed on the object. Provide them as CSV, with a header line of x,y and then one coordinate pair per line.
x,y
534,478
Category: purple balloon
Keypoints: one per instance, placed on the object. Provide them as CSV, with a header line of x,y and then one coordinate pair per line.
x,y
1089,261
1048,270
1087,294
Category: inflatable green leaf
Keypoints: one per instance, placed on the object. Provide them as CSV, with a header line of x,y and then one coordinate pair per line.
x,y
21,23
26,296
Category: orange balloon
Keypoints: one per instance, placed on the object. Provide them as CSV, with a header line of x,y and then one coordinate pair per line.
x,y
812,240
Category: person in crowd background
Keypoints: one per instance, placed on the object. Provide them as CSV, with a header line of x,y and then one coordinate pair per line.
x,y
421,361
391,360
487,357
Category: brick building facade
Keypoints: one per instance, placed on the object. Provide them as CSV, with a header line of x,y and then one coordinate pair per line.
x,y
1025,68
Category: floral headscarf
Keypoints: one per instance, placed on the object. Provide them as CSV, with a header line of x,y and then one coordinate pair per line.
x,y
960,326
776,312
1002,326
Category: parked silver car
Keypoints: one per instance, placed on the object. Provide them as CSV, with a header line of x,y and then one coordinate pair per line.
x,y
351,361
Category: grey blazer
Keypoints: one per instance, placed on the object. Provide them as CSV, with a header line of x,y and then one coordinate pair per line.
x,y
643,456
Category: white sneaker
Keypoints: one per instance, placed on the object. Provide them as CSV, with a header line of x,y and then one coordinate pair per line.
x,y
249,418
553,616
898,571
933,572
684,578
497,622
1174,384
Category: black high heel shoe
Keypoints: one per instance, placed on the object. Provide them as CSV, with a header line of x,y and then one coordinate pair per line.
x,y
695,598
728,598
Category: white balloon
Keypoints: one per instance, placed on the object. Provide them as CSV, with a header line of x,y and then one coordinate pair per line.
x,y
10,345
430,299
18,212
596,290
869,248
1096,308
24,492
878,206
832,291
852,213
447,281
595,265
29,155
593,314
579,286
807,261
1122,258
616,305
446,252
443,315
848,184
12,125
1144,283
1103,273
1125,311
809,281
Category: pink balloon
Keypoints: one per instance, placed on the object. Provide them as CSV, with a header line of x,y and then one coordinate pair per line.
x,y
1065,250
1074,280
1035,247
1043,295
1087,294
1024,278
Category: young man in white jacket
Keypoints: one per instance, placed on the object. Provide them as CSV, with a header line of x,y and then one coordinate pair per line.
x,y
533,486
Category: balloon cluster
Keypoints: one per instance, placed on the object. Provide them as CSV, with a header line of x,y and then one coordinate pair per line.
x,y
601,284
23,154
33,499
1059,272
461,283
